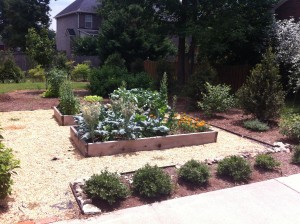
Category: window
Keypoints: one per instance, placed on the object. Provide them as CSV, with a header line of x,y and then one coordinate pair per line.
x,y
88,21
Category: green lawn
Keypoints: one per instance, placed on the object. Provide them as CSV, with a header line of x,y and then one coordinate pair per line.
x,y
10,87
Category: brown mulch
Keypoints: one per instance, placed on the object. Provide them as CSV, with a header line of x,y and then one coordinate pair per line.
x,y
22,100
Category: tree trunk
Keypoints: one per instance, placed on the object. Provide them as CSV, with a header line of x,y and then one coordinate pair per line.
x,y
181,61
181,44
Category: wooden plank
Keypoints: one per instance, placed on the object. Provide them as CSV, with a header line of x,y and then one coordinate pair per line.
x,y
80,144
63,120
143,144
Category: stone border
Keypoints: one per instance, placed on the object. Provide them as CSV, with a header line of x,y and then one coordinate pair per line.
x,y
63,120
141,144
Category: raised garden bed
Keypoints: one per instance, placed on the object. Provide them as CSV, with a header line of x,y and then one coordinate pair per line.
x,y
63,120
141,144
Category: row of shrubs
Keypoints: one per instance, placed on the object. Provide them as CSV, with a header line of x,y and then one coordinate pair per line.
x,y
153,182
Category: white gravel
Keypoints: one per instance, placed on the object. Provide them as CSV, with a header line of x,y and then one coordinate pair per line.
x,y
41,187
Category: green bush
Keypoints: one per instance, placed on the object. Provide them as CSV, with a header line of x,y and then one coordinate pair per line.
x,y
216,99
68,103
9,71
266,162
106,186
7,165
204,73
290,126
55,78
262,94
81,72
235,168
115,60
37,73
105,80
60,61
256,125
93,99
296,155
194,172
151,182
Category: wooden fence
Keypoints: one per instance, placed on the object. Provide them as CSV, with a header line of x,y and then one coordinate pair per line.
x,y
233,75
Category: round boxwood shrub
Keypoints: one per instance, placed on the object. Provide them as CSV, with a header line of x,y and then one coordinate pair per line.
x,y
235,168
194,172
266,162
296,155
106,186
151,182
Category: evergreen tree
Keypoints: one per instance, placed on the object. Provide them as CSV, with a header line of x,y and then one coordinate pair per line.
x,y
17,16
262,94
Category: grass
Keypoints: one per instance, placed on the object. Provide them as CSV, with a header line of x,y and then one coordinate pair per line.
x,y
10,87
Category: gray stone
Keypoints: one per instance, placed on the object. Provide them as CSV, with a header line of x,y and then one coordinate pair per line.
x,y
177,166
90,209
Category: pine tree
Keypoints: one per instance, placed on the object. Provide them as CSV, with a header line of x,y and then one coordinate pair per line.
x,y
262,94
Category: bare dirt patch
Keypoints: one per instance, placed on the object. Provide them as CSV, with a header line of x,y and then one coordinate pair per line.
x,y
30,100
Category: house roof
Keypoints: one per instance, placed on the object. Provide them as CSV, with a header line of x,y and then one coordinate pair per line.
x,y
86,6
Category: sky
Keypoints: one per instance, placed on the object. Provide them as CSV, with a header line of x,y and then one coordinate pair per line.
x,y
56,7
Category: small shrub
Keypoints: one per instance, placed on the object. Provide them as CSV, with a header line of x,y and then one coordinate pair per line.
x,y
234,167
151,182
204,73
93,99
262,94
60,60
107,187
256,125
37,73
216,99
194,172
296,155
68,103
55,78
266,162
290,126
105,80
9,71
115,60
81,72
7,165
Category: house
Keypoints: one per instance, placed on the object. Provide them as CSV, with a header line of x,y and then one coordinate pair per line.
x,y
285,9
79,19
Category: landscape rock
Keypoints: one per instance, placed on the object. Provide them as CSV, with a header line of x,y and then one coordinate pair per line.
x,y
90,209
281,147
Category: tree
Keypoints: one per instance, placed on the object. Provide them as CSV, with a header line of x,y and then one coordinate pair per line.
x,y
262,94
39,47
85,46
20,15
129,29
287,34
236,32
226,31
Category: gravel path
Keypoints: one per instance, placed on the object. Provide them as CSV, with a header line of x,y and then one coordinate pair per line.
x,y
49,162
